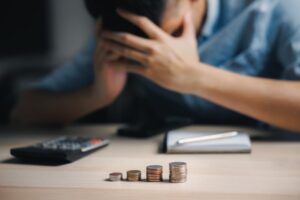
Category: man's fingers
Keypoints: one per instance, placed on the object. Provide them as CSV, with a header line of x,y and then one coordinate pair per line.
x,y
151,29
112,57
126,52
127,66
130,40
188,26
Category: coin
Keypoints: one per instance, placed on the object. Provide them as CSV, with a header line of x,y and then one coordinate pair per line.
x,y
134,175
178,181
178,172
177,164
116,176
154,173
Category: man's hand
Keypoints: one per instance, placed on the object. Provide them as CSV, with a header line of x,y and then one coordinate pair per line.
x,y
109,80
169,61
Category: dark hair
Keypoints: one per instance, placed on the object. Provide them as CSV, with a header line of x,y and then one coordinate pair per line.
x,y
153,9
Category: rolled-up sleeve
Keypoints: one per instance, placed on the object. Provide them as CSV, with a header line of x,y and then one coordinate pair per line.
x,y
72,76
289,41
290,58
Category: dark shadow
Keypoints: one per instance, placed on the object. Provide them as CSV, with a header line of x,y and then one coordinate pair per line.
x,y
15,161
163,181
141,181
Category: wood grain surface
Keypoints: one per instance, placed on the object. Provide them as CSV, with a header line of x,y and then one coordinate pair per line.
x,y
271,171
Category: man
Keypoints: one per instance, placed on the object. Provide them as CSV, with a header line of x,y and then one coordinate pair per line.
x,y
215,61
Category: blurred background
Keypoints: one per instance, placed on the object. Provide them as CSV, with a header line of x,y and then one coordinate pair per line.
x,y
36,37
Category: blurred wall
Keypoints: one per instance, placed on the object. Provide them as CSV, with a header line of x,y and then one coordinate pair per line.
x,y
71,26
58,29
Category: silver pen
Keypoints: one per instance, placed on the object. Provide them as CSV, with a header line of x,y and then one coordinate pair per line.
x,y
207,138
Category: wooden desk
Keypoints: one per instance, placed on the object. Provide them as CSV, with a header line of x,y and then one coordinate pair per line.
x,y
272,171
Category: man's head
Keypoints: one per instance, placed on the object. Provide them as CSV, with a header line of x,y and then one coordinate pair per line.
x,y
168,14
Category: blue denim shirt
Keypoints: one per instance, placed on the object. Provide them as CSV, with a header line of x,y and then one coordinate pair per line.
x,y
251,37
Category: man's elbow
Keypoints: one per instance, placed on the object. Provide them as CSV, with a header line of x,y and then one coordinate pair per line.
x,y
29,112
19,115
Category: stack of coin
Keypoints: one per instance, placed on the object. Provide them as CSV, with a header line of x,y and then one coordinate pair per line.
x,y
134,175
178,172
154,173
116,176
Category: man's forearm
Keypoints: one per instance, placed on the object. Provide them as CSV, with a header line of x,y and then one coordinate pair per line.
x,y
272,101
43,108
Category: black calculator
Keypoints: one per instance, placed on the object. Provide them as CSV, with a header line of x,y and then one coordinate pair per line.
x,y
59,150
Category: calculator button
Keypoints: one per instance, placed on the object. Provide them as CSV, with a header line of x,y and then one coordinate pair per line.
x,y
95,141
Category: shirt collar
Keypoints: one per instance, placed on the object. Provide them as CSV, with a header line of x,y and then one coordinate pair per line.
x,y
213,9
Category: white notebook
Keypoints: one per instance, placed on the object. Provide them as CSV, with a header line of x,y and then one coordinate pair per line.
x,y
237,144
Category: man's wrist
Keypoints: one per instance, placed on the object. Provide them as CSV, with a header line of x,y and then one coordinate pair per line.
x,y
212,80
196,79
